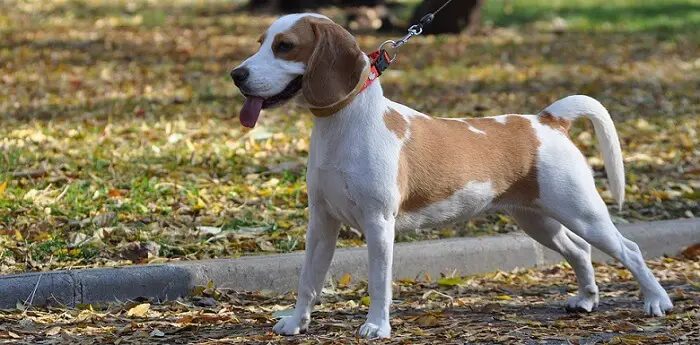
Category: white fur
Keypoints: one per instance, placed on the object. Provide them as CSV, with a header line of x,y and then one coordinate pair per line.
x,y
573,107
474,198
476,130
472,128
500,118
352,179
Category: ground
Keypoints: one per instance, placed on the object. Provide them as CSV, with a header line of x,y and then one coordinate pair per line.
x,y
119,141
525,306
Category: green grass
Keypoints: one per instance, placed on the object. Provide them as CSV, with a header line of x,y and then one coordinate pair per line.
x,y
656,16
132,121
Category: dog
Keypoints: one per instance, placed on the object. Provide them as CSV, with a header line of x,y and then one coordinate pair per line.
x,y
381,167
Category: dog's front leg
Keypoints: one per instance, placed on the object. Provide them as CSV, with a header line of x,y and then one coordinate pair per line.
x,y
321,238
380,245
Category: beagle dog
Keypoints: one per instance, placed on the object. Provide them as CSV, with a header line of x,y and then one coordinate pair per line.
x,y
382,167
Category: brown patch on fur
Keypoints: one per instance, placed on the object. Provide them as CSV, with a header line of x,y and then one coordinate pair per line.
x,y
546,118
302,35
441,156
395,122
334,62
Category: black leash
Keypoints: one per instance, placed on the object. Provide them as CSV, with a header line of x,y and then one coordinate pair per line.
x,y
380,59
413,30
417,29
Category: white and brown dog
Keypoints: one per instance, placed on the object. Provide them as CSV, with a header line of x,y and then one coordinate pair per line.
x,y
382,167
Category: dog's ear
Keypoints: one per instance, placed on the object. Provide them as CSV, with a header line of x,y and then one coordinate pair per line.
x,y
335,67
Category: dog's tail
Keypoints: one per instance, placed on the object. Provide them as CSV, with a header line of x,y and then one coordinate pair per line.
x,y
573,107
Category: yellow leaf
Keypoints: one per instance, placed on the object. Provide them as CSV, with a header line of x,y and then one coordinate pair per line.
x,y
345,279
200,204
198,290
503,298
2,187
417,331
18,236
451,281
428,277
139,311
84,315
42,236
365,301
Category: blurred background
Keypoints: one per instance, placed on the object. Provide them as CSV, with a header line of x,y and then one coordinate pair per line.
x,y
120,143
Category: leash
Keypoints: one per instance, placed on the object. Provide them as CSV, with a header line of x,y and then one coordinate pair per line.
x,y
380,59
416,29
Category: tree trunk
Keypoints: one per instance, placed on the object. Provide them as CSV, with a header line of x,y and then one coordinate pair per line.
x,y
456,16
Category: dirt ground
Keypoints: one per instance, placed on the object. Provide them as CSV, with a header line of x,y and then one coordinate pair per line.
x,y
517,307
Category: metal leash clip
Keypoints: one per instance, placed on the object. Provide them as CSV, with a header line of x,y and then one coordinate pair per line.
x,y
414,30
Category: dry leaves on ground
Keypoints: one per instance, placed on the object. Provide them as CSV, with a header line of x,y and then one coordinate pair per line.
x,y
424,312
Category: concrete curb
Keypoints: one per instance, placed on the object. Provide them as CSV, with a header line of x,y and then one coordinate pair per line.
x,y
280,272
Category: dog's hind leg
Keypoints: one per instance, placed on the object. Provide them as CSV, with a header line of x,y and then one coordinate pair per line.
x,y
321,238
579,207
551,234
600,232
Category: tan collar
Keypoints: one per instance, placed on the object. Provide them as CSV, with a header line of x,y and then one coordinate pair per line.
x,y
336,107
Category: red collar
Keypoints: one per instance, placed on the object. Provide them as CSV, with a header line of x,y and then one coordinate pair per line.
x,y
379,61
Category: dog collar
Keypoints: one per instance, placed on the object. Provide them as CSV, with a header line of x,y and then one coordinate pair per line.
x,y
379,61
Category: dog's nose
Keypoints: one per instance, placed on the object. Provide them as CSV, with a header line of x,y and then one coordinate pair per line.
x,y
239,75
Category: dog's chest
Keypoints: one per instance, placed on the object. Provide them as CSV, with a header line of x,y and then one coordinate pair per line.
x,y
353,174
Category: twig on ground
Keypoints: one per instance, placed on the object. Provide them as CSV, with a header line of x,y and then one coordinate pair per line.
x,y
30,299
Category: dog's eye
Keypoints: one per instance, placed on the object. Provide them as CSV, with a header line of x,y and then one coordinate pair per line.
x,y
284,47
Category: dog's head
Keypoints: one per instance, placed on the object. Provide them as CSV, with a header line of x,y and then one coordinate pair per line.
x,y
299,52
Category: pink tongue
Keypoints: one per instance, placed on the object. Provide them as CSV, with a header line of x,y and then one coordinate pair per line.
x,y
250,111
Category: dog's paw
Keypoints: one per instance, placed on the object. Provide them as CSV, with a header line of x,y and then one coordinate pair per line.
x,y
581,304
585,302
370,330
291,326
658,305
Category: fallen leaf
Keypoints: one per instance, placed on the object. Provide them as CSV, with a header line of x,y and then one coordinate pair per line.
x,y
345,279
491,307
139,311
3,186
212,230
427,321
503,298
365,301
450,281
53,331
137,251
692,252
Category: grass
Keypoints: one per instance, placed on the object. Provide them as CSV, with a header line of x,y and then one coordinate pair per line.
x,y
119,126
652,16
